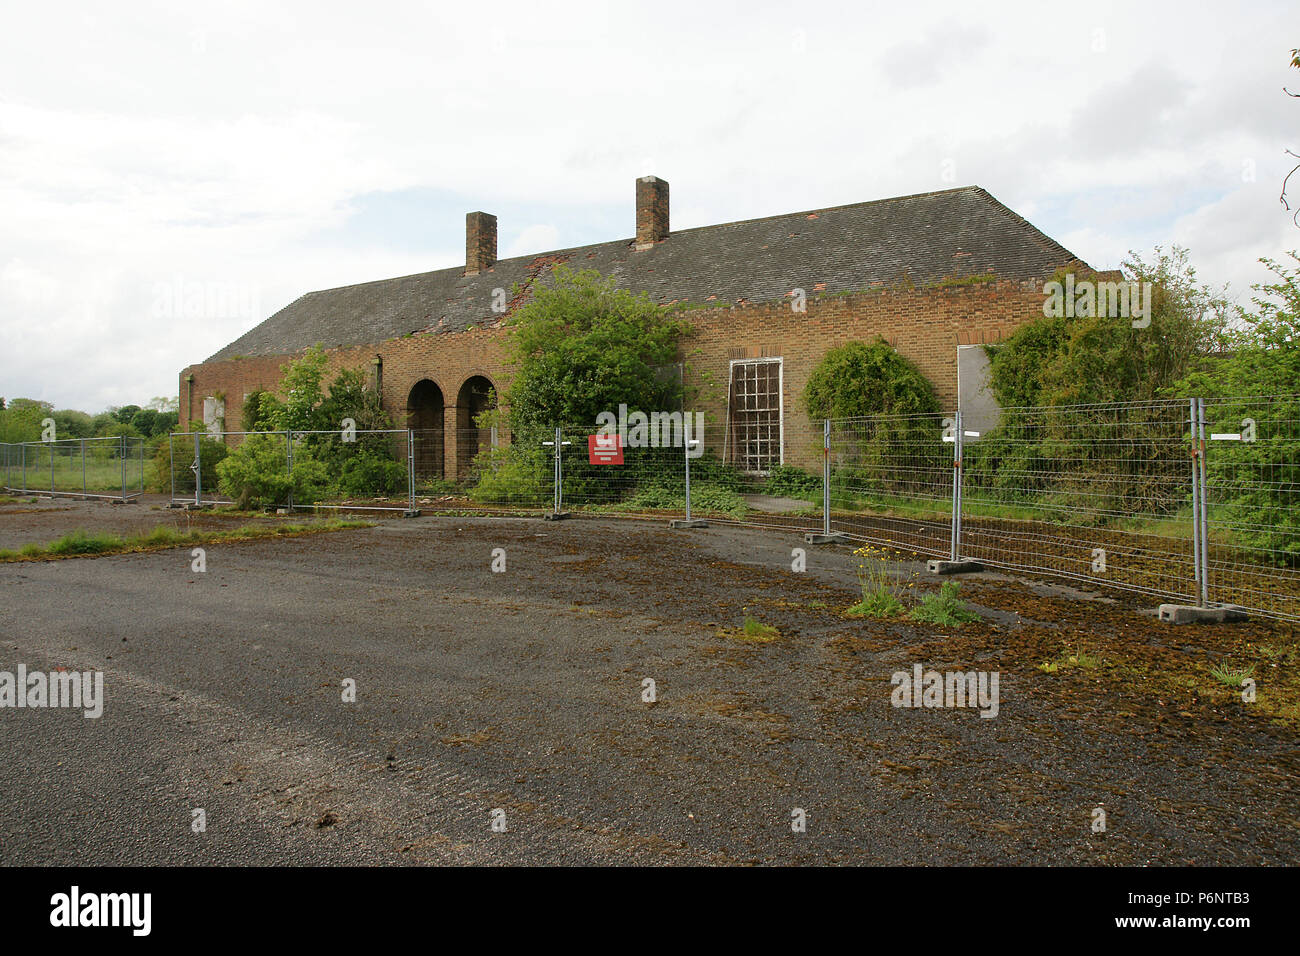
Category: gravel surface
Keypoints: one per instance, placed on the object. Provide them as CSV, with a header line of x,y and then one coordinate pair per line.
x,y
522,692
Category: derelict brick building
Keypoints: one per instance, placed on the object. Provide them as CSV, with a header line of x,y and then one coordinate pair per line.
x,y
931,273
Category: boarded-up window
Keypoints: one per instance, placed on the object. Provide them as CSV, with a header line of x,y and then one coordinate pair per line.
x,y
754,415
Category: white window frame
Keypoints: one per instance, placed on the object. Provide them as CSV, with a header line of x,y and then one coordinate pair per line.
x,y
780,404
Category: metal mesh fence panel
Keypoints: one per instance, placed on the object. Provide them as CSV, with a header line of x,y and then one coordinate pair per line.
x,y
79,467
891,481
601,474
1100,493
1252,504
496,475
354,470
1193,501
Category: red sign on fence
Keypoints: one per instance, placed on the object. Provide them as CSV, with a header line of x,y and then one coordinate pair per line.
x,y
604,450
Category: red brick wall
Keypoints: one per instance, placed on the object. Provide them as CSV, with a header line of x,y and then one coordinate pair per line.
x,y
925,325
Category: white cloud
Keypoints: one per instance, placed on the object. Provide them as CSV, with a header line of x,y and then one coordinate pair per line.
x,y
532,240
228,145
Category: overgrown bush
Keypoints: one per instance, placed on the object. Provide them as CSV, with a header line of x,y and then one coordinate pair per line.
x,y
171,462
517,474
867,378
256,474
582,346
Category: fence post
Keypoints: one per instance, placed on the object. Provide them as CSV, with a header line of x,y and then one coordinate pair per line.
x,y
686,447
410,469
1198,570
557,476
171,466
826,477
1205,510
288,451
559,472
956,486
122,455
53,449
197,468
687,444
84,487
24,446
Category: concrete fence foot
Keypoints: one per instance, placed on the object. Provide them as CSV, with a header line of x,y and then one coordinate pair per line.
x,y
816,537
937,566
1186,614
687,523
555,516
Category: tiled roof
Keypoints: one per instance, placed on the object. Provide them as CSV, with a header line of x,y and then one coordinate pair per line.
x,y
928,237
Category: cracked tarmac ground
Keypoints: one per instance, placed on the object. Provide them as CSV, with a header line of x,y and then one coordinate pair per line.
x,y
522,691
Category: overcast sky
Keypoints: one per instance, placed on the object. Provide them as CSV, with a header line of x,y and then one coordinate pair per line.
x,y
259,151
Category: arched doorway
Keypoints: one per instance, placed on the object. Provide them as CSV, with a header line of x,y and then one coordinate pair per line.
x,y
475,397
424,410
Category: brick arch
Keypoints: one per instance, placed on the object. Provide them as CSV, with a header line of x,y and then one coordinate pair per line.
x,y
425,416
477,394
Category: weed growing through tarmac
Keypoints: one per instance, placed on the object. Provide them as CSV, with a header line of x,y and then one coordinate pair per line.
x,y
82,543
945,608
753,630
1066,660
882,591
1230,676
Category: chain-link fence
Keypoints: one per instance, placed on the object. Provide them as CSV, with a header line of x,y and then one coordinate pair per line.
x,y
111,468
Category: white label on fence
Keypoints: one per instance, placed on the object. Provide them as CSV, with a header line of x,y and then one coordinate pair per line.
x,y
1226,436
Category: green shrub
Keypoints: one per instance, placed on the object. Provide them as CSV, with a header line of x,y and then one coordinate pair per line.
x,y
705,498
867,378
172,463
367,474
786,481
513,475
256,474
946,608
709,498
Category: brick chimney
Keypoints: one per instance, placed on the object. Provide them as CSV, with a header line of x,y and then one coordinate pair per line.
x,y
480,242
651,211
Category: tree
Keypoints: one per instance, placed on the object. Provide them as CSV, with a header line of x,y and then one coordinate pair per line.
x,y
1088,359
871,381
300,388
145,421
1295,63
1255,484
323,463
125,413
1262,354
72,424
22,419
582,346
258,411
